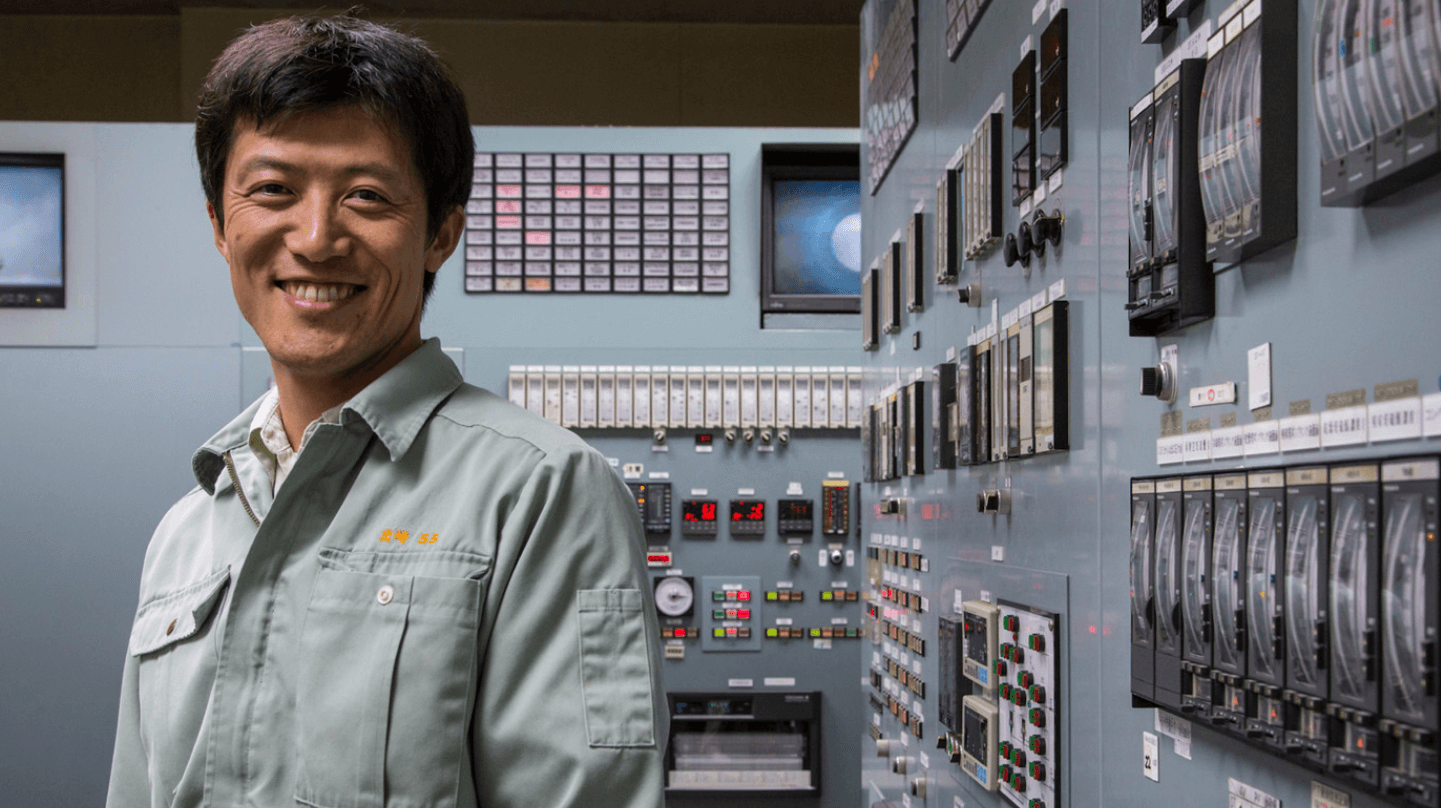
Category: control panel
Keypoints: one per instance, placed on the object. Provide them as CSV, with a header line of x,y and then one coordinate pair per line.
x,y
1285,580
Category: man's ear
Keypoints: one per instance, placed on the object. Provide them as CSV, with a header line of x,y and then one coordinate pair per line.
x,y
220,243
446,239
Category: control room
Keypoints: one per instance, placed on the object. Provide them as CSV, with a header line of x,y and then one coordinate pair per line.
x,y
813,404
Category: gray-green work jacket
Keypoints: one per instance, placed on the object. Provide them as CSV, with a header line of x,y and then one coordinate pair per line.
x,y
441,607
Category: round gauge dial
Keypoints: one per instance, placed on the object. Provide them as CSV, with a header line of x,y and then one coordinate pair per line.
x,y
674,596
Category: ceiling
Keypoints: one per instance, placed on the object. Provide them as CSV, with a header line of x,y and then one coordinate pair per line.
x,y
783,12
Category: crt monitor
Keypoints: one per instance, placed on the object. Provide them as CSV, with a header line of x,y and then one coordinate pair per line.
x,y
32,230
810,228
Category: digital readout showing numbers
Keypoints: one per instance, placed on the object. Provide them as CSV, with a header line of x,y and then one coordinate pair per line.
x,y
698,516
748,510
795,509
699,510
748,517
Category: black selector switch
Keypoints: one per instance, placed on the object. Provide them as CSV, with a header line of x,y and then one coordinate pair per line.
x,y
1047,228
1014,252
1158,381
1025,244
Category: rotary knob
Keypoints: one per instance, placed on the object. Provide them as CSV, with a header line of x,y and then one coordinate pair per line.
x,y
1011,251
1158,381
1047,228
1025,244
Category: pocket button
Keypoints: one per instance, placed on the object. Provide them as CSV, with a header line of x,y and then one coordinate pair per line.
x,y
170,629
385,595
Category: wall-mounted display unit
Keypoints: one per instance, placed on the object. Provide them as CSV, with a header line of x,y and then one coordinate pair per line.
x,y
810,228
32,234
962,16
1052,142
1248,132
1318,641
1375,69
888,93
1023,128
1169,279
1409,623
982,171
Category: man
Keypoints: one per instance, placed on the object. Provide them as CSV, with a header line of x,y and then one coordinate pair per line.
x,y
389,588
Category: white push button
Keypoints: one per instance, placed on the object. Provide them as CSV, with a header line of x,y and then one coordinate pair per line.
x,y
385,595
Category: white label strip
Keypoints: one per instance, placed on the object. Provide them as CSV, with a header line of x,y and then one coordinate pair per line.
x,y
1344,426
1431,415
1227,442
1395,420
1197,447
1300,433
1171,450
1261,438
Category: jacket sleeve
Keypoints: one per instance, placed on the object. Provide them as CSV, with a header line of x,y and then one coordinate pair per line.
x,y
129,768
570,709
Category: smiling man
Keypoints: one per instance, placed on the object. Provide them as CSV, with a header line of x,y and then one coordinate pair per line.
x,y
389,588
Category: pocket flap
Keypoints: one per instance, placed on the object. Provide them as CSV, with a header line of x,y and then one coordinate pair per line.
x,y
175,616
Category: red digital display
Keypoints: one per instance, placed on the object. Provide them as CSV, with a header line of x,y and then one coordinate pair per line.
x,y
748,510
699,510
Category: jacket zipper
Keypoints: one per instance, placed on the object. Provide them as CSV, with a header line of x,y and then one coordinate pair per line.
x,y
235,478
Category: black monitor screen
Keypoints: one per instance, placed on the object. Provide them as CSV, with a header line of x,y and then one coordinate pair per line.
x,y
810,228
32,230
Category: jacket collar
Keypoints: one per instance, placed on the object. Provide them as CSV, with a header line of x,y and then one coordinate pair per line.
x,y
394,407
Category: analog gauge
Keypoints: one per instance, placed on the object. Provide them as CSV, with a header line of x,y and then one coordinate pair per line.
x,y
1208,148
1140,187
1226,579
674,597
1327,87
1355,95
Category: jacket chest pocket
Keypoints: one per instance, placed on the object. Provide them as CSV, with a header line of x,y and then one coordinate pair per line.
x,y
172,637
386,682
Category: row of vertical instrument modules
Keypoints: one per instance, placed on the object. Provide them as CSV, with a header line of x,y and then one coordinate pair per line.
x,y
773,399
1004,396
1296,608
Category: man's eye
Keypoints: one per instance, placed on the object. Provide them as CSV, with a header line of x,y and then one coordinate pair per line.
x,y
271,189
367,195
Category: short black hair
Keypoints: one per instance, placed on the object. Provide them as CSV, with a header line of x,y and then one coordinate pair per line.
x,y
305,63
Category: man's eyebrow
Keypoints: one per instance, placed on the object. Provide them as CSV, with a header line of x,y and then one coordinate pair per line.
x,y
377,170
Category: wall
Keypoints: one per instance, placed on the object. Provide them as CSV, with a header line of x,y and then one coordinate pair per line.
x,y
1346,305
521,73
98,439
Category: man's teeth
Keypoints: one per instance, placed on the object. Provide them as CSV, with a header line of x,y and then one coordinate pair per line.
x,y
320,292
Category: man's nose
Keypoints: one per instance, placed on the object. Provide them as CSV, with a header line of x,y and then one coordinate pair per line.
x,y
318,234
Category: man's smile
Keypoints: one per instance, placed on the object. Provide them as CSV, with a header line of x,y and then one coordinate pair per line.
x,y
310,292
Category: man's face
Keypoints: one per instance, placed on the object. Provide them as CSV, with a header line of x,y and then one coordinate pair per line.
x,y
324,231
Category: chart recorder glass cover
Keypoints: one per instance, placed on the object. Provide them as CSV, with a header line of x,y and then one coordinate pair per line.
x,y
1409,624
1420,72
1229,603
1196,597
1307,603
1168,593
1265,612
1141,223
1354,608
1143,635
